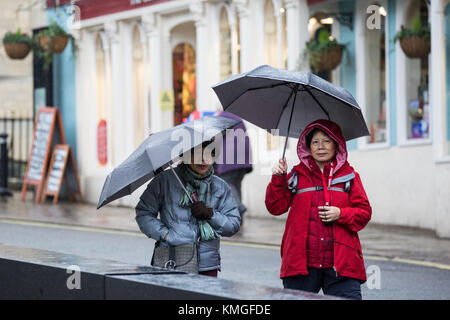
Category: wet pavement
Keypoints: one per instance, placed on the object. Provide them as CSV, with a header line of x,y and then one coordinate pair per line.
x,y
404,244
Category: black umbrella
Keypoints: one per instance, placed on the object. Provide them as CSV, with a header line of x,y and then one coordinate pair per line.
x,y
273,98
158,152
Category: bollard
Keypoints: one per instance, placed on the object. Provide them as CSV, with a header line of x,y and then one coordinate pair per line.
x,y
4,167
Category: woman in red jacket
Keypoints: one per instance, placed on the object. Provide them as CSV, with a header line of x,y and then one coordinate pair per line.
x,y
328,206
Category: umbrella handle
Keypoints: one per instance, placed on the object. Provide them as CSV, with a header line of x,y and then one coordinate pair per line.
x,y
181,183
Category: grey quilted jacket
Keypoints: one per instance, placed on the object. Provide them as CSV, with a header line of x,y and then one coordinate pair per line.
x,y
162,196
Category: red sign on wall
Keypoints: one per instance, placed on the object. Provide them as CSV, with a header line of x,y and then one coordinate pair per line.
x,y
102,143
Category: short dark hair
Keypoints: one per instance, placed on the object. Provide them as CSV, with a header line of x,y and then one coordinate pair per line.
x,y
310,135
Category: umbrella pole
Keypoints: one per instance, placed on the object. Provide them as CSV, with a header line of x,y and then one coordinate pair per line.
x,y
287,136
290,120
181,183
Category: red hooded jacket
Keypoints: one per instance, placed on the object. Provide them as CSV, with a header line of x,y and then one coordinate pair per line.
x,y
355,209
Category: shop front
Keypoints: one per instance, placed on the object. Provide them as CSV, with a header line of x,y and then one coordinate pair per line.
x,y
143,66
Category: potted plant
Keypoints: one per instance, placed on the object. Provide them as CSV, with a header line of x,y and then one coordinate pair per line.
x,y
415,41
51,41
17,45
325,53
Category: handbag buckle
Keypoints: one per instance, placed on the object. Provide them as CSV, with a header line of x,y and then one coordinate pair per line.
x,y
171,264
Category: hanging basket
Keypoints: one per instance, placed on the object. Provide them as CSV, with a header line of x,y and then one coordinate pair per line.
x,y
327,60
58,43
17,50
415,46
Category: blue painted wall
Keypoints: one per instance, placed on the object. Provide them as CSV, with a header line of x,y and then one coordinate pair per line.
x,y
392,72
64,80
447,63
348,64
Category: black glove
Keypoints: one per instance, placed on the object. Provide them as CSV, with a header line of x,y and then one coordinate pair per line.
x,y
200,211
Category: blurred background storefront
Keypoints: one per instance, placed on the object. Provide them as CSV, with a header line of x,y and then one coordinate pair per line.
x,y
141,66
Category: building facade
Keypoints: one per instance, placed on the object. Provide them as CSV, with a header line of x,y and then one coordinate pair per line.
x,y
142,66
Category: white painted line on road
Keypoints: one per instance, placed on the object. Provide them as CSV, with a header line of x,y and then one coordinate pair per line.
x,y
225,242
423,263
249,244
70,227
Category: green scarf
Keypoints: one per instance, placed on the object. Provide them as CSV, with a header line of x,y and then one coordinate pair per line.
x,y
201,184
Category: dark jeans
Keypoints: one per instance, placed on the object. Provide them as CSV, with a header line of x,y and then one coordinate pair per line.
x,y
326,280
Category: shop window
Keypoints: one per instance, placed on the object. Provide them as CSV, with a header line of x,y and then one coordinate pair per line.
x,y
184,81
320,23
138,88
375,89
225,45
416,78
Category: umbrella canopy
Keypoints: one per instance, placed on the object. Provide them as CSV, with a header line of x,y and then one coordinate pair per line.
x,y
157,152
273,98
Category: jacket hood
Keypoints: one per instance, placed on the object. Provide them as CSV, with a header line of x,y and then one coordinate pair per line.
x,y
330,128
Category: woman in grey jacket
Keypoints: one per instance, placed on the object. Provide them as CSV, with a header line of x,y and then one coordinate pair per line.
x,y
183,222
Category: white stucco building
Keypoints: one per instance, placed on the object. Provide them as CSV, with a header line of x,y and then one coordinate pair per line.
x,y
134,55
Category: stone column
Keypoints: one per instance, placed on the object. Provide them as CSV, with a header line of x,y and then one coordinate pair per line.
x,y
152,30
279,22
201,53
297,16
116,96
234,40
245,33
146,92
109,105
437,77
85,105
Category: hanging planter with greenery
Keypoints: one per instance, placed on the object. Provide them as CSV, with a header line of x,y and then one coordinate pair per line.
x,y
17,45
325,53
52,40
415,42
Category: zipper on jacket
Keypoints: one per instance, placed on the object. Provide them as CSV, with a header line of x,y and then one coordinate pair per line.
x,y
334,268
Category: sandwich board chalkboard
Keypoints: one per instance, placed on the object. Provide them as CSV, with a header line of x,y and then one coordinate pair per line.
x,y
48,131
62,168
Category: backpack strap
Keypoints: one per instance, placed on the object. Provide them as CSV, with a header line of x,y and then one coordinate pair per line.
x,y
320,188
347,179
342,179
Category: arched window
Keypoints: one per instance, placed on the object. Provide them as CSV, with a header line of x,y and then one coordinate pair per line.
x,y
270,35
138,89
101,104
375,72
184,81
225,45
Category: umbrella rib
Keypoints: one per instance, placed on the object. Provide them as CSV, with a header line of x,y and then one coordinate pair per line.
x,y
317,101
284,107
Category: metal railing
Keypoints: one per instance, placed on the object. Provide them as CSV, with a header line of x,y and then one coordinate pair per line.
x,y
20,131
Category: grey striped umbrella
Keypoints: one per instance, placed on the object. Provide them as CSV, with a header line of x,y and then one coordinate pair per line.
x,y
158,152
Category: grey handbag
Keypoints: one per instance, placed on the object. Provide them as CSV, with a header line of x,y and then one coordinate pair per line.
x,y
179,258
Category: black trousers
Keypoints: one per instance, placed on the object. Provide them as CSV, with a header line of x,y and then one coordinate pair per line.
x,y
326,280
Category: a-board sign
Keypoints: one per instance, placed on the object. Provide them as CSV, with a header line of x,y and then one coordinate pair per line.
x,y
62,169
48,131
